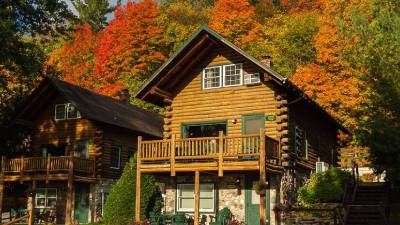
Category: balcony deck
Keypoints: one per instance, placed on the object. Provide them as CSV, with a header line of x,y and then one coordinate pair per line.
x,y
50,168
222,153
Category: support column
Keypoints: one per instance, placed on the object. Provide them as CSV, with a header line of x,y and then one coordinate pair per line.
x,y
220,153
31,203
138,180
68,207
2,169
196,197
263,177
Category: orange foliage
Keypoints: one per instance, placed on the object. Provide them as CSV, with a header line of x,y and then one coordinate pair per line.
x,y
235,20
75,59
130,45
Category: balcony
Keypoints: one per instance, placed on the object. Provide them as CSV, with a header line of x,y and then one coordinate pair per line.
x,y
222,153
50,168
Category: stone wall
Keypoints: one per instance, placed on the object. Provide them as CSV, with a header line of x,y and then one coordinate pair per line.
x,y
96,197
319,214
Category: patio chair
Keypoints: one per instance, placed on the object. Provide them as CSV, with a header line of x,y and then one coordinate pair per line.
x,y
179,219
224,216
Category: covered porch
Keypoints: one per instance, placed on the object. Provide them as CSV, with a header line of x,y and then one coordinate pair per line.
x,y
209,155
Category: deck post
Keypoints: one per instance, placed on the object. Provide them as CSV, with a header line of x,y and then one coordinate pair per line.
x,y
22,167
48,167
68,207
2,171
263,177
220,151
196,197
172,161
138,180
31,203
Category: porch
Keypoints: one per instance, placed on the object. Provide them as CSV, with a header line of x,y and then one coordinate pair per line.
x,y
209,155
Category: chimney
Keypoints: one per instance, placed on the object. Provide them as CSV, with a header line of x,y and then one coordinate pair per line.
x,y
267,60
125,97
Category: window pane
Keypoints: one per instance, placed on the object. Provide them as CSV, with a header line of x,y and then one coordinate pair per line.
x,y
253,78
81,149
232,75
207,204
51,202
186,190
72,112
60,112
40,202
212,77
51,193
115,156
253,126
206,190
40,193
186,203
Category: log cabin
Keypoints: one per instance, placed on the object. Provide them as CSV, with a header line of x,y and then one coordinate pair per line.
x,y
236,134
80,143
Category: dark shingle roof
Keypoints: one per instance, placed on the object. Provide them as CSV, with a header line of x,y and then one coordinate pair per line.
x,y
108,110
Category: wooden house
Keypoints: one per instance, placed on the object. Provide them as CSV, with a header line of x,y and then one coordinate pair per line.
x,y
231,124
80,143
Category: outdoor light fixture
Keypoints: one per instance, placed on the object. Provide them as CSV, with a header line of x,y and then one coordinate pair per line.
x,y
233,121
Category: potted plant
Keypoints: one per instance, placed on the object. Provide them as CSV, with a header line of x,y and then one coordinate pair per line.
x,y
260,187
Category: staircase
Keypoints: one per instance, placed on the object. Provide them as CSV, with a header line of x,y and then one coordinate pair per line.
x,y
368,205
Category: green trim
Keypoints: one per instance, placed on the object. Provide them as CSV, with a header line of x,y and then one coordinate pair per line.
x,y
247,199
209,122
251,116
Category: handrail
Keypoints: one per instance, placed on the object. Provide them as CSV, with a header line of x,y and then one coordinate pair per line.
x,y
49,165
17,220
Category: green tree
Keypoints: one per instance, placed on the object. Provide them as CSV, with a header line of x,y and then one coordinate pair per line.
x,y
376,55
120,205
94,12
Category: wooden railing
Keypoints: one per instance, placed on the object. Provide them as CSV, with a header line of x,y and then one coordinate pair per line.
x,y
243,147
49,165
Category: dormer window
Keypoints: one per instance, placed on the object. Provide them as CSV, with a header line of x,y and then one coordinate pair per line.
x,y
66,111
222,76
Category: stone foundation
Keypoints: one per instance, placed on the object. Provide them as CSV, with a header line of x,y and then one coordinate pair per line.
x,y
103,186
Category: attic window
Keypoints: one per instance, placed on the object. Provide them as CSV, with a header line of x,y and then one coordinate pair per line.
x,y
66,111
222,76
212,77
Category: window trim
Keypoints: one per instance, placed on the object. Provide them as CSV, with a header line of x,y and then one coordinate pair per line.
x,y
241,74
45,198
178,209
78,114
251,74
204,77
119,156
65,111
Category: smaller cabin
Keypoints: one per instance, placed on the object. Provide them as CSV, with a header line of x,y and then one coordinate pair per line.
x,y
80,142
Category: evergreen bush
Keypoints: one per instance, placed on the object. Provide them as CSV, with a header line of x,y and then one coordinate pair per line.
x,y
325,187
119,208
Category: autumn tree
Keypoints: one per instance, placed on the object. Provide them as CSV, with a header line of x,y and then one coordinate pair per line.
x,y
235,20
74,60
181,18
130,49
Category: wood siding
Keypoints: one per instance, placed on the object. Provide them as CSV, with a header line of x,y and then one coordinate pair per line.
x,y
193,104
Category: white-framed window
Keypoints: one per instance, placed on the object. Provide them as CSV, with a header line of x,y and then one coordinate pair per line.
x,y
46,198
115,157
212,77
233,75
252,78
66,111
60,112
81,149
185,197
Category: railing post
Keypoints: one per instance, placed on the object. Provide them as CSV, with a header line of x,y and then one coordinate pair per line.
x,y
68,207
22,166
2,172
172,161
263,177
138,179
220,153
48,166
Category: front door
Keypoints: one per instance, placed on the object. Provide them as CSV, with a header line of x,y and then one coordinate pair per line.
x,y
253,123
81,209
252,201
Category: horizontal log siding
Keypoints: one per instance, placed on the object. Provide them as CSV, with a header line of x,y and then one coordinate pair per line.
x,y
193,104
49,131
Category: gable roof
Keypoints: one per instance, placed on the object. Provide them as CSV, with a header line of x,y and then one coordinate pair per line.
x,y
100,108
212,36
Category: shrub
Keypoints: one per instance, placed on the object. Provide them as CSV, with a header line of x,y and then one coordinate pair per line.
x,y
326,187
119,208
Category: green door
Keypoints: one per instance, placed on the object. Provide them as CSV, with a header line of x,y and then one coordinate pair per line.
x,y
81,209
252,202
